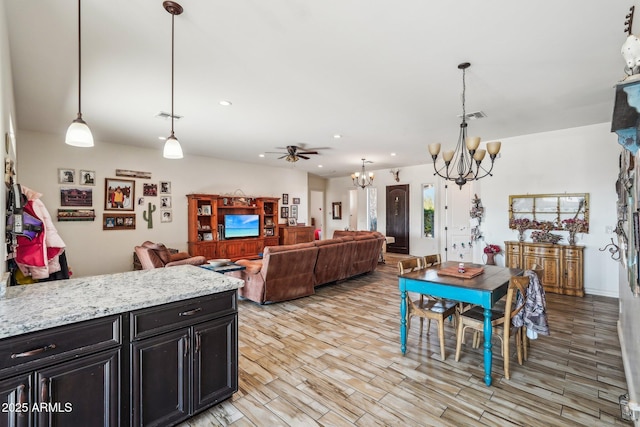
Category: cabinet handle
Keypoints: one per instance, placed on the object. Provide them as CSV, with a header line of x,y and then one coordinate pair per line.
x,y
198,342
34,351
44,390
190,312
185,340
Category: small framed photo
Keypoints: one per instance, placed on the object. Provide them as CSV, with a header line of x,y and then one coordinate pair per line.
x,y
206,209
296,200
293,212
119,194
87,177
285,199
165,202
150,190
165,216
268,231
284,212
291,222
165,187
117,221
207,236
66,176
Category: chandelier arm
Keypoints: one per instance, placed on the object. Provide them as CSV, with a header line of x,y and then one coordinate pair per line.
x,y
487,172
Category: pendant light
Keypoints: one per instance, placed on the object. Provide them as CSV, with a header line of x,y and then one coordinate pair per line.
x,y
79,134
172,149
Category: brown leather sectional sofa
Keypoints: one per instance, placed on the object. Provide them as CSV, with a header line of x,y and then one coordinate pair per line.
x,y
293,271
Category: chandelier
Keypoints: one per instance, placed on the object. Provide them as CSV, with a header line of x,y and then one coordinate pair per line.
x,y
360,179
464,165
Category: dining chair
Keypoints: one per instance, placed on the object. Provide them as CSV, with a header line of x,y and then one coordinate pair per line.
x,y
500,321
426,307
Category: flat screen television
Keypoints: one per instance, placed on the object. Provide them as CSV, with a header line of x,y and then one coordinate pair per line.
x,y
236,225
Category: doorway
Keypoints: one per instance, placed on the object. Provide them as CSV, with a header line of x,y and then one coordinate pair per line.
x,y
397,208
316,202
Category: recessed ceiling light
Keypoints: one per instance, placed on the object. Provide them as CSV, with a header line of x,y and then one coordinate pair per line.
x,y
319,166
393,154
162,138
260,155
337,136
225,103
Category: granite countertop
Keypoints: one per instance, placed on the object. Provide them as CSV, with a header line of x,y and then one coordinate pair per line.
x,y
30,308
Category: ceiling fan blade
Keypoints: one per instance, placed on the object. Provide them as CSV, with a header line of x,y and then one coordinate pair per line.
x,y
307,152
282,157
303,157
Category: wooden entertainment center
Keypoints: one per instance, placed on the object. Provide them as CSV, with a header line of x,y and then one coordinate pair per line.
x,y
207,221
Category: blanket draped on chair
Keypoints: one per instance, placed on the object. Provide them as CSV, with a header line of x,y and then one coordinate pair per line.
x,y
534,315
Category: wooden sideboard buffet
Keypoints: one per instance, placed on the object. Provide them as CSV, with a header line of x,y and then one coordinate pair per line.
x,y
295,234
563,264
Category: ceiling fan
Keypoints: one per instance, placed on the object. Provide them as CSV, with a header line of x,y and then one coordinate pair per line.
x,y
294,153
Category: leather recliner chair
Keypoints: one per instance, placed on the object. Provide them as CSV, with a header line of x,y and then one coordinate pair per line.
x,y
156,255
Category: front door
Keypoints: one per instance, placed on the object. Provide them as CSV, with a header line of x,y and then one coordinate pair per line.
x,y
398,218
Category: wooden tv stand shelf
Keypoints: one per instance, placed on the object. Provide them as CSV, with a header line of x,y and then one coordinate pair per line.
x,y
207,213
563,264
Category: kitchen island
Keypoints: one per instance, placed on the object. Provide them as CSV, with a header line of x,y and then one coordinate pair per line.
x,y
148,347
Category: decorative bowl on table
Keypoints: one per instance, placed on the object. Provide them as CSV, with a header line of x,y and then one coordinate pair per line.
x,y
218,262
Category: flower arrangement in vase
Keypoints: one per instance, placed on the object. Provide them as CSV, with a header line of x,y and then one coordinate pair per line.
x,y
573,226
491,251
520,224
543,233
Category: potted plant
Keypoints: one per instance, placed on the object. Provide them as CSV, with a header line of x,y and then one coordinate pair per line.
x,y
491,251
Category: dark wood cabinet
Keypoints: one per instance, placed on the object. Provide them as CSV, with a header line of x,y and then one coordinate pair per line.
x,y
160,378
215,362
68,375
194,344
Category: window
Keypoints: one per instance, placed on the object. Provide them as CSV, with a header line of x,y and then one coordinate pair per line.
x,y
428,210
372,208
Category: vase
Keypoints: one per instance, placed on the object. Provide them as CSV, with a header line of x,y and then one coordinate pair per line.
x,y
521,236
572,237
490,259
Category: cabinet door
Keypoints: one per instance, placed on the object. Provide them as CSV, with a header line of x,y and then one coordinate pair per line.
x,y
81,392
159,379
551,274
573,275
15,401
215,361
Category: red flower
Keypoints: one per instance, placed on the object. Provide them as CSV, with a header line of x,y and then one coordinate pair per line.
x,y
492,249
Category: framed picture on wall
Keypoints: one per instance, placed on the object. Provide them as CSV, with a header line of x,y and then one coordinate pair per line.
x,y
87,177
116,221
165,216
150,190
285,199
165,187
119,194
76,196
66,176
284,212
296,200
293,212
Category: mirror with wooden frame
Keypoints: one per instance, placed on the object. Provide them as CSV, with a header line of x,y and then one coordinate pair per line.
x,y
549,210
336,209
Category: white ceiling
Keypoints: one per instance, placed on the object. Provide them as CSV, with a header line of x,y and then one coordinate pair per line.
x,y
381,73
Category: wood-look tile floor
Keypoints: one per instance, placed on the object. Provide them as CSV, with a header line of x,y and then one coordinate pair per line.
x,y
333,359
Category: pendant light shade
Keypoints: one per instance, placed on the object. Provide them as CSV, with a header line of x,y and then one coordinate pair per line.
x,y
172,148
79,134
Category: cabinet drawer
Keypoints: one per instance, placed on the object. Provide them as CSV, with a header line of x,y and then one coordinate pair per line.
x,y
513,248
166,317
65,342
572,253
543,251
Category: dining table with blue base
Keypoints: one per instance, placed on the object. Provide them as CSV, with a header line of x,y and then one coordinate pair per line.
x,y
484,290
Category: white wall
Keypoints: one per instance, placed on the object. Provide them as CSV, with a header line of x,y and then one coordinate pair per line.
x,y
90,250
